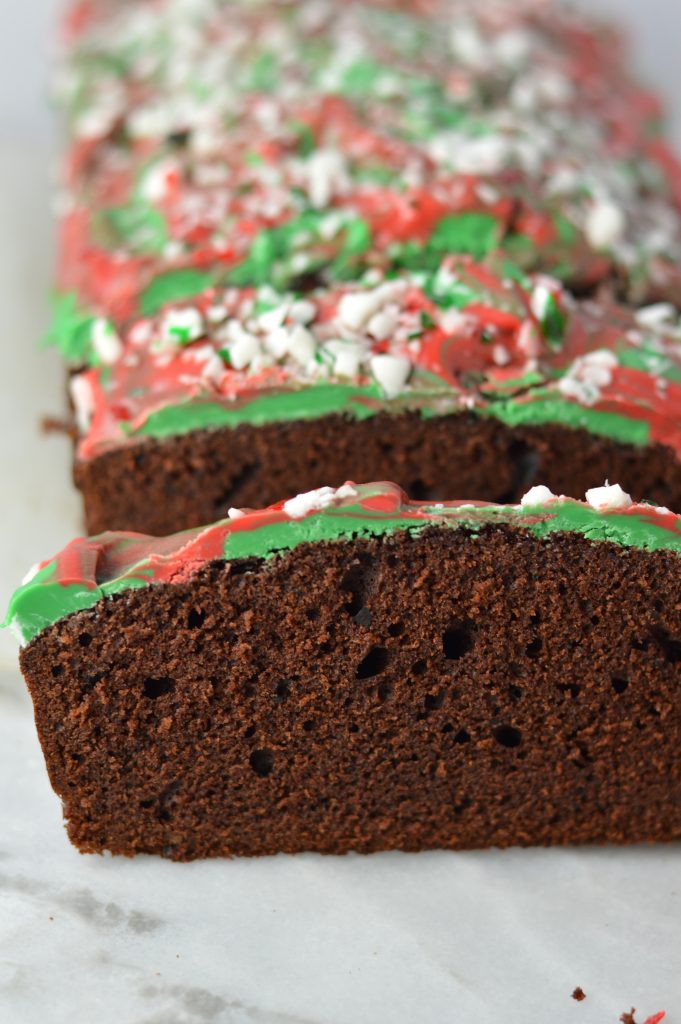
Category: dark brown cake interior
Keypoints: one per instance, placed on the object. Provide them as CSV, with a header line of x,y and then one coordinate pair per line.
x,y
160,487
439,690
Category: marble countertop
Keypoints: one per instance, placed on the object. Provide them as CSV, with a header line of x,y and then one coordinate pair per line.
x,y
388,939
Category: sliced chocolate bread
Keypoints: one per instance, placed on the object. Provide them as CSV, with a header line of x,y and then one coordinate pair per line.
x,y
353,671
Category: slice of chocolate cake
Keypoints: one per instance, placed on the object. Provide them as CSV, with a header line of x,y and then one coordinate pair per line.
x,y
353,671
307,241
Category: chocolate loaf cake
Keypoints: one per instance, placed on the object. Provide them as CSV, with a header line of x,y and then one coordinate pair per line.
x,y
436,242
352,671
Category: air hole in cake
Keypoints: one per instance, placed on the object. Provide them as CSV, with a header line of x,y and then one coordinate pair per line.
x,y
355,584
418,490
244,566
395,629
457,641
434,701
533,649
419,667
619,684
232,494
385,691
282,689
154,688
363,617
84,639
507,736
671,647
462,736
312,614
573,689
375,662
195,619
146,804
56,671
308,725
447,727
249,732
353,727
262,762
515,692
90,681
525,462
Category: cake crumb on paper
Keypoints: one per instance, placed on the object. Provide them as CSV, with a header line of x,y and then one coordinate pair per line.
x,y
630,1018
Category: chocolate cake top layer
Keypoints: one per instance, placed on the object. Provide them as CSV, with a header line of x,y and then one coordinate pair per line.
x,y
277,211
91,569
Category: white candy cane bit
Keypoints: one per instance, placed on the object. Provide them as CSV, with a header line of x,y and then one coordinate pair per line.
x,y
316,501
356,309
106,341
156,183
605,224
83,401
327,175
382,325
243,350
303,311
539,495
501,355
301,345
391,373
235,513
181,326
658,315
611,496
347,357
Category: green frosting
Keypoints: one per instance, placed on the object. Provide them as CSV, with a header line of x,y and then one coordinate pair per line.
x,y
44,600
281,407
474,233
138,226
269,259
173,286
553,409
71,328
364,402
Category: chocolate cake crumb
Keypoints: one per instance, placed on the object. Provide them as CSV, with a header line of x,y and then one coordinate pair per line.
x,y
579,994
